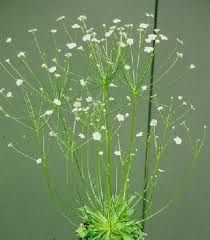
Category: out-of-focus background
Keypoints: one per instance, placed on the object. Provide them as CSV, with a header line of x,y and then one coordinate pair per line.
x,y
26,210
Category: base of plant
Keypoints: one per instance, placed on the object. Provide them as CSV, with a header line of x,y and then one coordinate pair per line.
x,y
113,221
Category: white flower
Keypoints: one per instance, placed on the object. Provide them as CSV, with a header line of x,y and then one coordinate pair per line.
x,y
71,45
130,41
184,103
53,30
161,170
139,134
57,102
109,33
19,82
153,123
89,99
86,37
152,36
177,140
96,136
149,15
52,69
9,94
100,153
82,18
10,145
163,37
81,135
148,49
52,134
116,20
68,55
112,85
180,97
144,88
44,65
127,67
143,25
192,66
60,18
32,30
117,153
127,115
21,54
128,98
122,44
7,60
180,41
179,55
74,26
8,40
160,108
83,82
48,112
120,117
77,104
80,48
39,161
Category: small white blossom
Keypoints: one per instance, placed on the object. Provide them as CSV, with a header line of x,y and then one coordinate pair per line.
x,y
32,30
184,103
153,123
82,18
116,20
80,48
57,102
180,41
100,153
127,67
86,37
109,33
71,45
163,37
152,36
143,25
53,30
148,49
10,145
161,170
48,112
117,153
19,82
7,60
112,85
177,140
179,55
75,26
120,117
149,15
127,115
21,54
180,97
111,98
68,55
139,134
128,98
9,95
81,135
77,104
60,18
122,44
52,69
130,41
2,90
144,88
52,134
8,40
89,99
83,82
160,108
192,66
39,161
96,136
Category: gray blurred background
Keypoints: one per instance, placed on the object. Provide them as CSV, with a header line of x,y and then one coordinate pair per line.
x,y
26,210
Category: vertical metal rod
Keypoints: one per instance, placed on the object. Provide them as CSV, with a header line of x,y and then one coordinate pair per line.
x,y
146,166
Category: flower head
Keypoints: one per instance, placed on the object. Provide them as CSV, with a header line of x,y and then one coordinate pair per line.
x,y
177,140
60,18
148,49
153,123
57,102
71,45
96,136
52,69
19,82
39,161
120,117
